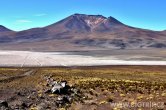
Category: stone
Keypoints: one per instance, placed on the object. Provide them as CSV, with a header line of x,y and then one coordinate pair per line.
x,y
47,91
3,103
65,99
56,88
42,106
59,87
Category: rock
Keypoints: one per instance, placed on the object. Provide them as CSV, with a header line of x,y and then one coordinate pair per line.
x,y
16,107
63,83
59,87
75,91
4,108
63,100
24,105
28,104
42,106
65,94
3,103
56,88
47,91
19,93
53,83
69,99
110,100
52,80
60,99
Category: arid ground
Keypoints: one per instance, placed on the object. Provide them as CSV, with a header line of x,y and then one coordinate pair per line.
x,y
89,88
82,58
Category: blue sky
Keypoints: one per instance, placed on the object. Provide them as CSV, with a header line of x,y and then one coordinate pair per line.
x,y
24,14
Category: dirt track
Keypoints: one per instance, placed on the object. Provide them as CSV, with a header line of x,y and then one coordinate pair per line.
x,y
9,79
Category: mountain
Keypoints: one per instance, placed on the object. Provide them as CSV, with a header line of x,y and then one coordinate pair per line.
x,y
86,23
164,31
82,32
4,29
5,34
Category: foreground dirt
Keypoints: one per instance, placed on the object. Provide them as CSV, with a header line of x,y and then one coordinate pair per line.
x,y
89,88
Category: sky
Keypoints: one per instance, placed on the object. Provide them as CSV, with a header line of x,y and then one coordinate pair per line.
x,y
24,14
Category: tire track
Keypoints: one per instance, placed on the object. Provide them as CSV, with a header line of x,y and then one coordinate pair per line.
x,y
25,60
10,79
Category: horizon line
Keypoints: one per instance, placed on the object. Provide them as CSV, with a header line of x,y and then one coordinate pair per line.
x,y
160,30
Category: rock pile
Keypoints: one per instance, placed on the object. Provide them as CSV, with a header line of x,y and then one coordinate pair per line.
x,y
50,95
66,94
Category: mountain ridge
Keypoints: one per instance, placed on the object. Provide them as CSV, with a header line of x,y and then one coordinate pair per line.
x,y
2,26
81,31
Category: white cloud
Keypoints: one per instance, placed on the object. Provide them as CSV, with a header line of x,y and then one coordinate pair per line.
x,y
41,14
23,21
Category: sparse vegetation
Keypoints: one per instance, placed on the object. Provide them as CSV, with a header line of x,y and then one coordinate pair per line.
x,y
99,86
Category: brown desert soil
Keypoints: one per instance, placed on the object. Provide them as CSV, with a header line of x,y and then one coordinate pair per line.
x,y
90,88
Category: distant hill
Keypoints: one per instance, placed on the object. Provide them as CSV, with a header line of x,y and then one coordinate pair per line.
x,y
82,32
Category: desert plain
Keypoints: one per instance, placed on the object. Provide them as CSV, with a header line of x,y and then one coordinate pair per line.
x,y
96,80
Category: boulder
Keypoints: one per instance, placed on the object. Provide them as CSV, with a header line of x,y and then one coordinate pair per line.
x,y
59,87
3,103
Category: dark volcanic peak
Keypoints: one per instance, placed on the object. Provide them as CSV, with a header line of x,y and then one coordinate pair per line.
x,y
96,22
85,15
4,29
96,17
113,20
83,31
85,23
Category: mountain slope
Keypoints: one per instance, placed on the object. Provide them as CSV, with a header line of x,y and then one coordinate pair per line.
x,y
82,32
5,34
4,29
